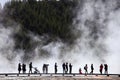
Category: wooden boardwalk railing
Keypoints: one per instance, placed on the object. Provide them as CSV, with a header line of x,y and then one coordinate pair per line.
x,y
53,74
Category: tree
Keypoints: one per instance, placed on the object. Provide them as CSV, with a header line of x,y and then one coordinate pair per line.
x,y
43,17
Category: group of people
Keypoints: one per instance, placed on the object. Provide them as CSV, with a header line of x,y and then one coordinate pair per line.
x,y
45,68
22,67
86,69
67,68
105,68
92,69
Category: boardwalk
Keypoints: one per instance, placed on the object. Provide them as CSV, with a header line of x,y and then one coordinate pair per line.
x,y
90,77
58,74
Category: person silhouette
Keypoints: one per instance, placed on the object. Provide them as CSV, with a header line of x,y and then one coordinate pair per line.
x,y
30,67
24,68
92,68
46,67
106,68
43,68
80,70
19,68
63,66
66,68
56,68
101,68
70,67
86,69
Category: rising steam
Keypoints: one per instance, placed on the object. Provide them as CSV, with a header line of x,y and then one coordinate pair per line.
x,y
96,26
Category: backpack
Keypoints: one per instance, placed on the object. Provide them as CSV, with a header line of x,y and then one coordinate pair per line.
x,y
85,68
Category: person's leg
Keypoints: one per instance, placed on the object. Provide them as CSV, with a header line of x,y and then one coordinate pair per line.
x,y
29,71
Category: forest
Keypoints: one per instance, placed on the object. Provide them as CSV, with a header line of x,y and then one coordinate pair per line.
x,y
47,17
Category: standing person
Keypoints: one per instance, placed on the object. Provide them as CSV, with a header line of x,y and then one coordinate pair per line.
x,y
92,68
30,67
80,71
43,68
24,68
19,68
56,68
63,66
101,68
86,69
66,68
106,68
70,67
46,67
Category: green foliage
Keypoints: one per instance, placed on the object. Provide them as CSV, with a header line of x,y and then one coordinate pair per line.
x,y
53,18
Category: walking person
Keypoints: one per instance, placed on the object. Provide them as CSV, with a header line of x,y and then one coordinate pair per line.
x,y
101,68
92,68
106,68
86,69
56,68
70,68
30,67
19,68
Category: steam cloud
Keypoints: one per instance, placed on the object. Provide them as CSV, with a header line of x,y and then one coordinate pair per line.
x,y
97,27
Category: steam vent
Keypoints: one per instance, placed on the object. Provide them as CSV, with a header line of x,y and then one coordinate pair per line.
x,y
59,39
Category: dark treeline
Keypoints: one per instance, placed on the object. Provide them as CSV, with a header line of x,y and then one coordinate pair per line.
x,y
53,18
